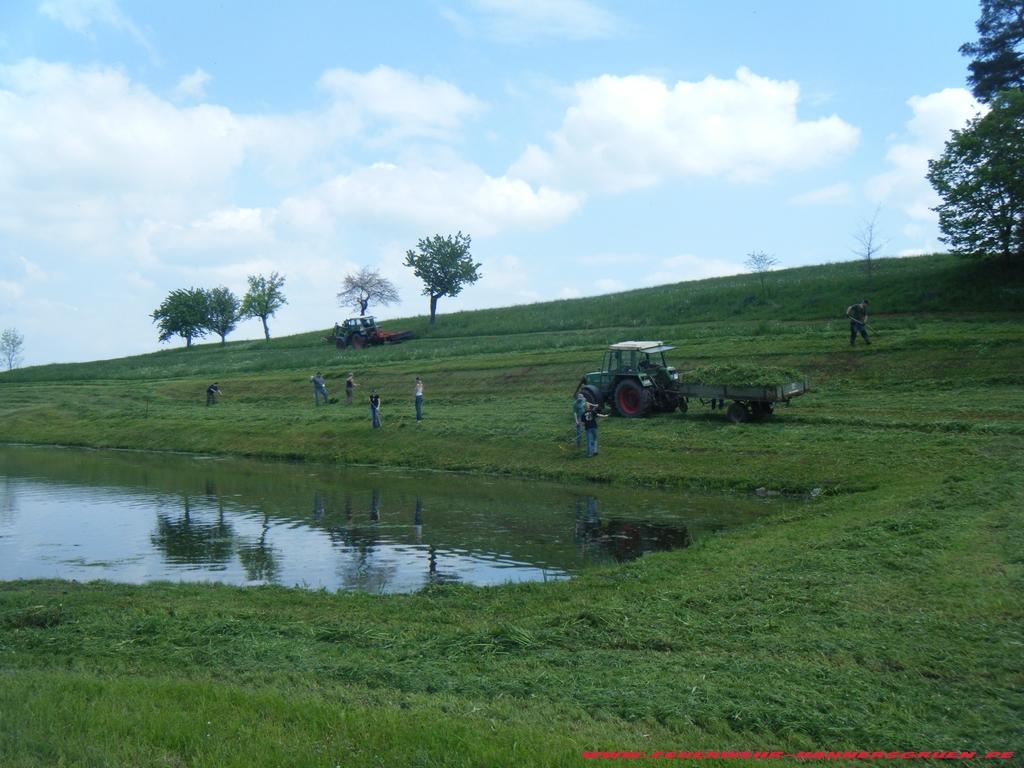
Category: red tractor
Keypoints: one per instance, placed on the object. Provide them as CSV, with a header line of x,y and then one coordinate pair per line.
x,y
359,332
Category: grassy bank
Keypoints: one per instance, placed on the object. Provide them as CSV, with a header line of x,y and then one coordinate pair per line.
x,y
885,614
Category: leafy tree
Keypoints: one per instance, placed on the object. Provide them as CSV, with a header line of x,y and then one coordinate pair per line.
x,y
182,313
364,286
760,263
445,266
264,298
980,182
999,53
222,310
11,345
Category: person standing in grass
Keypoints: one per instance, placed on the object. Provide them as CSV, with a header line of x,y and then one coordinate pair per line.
x,y
590,417
578,407
418,395
375,409
350,384
858,314
211,393
319,388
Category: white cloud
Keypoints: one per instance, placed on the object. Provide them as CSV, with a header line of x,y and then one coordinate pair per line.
x,y
192,86
629,132
135,162
409,105
95,130
220,231
461,196
677,269
525,20
904,185
609,285
11,291
80,16
604,259
830,195
32,270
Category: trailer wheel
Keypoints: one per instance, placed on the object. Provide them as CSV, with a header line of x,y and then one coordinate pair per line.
x,y
760,410
358,341
683,405
631,399
737,413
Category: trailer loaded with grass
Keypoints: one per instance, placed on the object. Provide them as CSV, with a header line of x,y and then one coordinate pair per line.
x,y
635,379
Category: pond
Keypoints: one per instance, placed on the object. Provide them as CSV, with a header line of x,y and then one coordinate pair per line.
x,y
135,517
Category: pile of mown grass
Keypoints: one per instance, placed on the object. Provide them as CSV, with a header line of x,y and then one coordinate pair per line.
x,y
742,374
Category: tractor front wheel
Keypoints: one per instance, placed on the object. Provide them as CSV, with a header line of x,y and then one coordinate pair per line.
x,y
631,399
591,394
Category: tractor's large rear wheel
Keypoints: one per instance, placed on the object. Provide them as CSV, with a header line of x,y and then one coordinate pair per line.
x,y
631,399
358,341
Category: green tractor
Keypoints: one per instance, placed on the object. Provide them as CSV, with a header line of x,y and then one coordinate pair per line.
x,y
361,332
634,379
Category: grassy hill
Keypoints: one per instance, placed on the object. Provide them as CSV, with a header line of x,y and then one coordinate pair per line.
x,y
883,614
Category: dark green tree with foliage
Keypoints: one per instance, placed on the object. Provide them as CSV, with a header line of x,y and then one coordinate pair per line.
x,y
222,312
263,298
980,178
445,266
182,313
998,56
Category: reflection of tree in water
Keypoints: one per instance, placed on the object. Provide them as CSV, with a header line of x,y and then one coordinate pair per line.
x,y
194,542
8,502
624,539
259,558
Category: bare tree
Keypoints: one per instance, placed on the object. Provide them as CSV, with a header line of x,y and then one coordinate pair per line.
x,y
364,286
760,263
11,345
868,241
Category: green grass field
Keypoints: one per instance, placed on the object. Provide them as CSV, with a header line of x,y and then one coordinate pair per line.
x,y
883,615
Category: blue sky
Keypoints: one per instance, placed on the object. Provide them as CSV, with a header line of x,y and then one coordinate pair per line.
x,y
586,146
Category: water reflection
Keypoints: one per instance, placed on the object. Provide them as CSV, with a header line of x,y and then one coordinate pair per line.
x,y
135,517
624,539
185,540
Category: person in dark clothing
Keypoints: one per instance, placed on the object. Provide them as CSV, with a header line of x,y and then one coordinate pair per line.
x,y
211,393
589,418
375,409
858,314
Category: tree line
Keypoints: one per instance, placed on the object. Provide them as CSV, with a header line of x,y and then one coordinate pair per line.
x,y
194,312
443,263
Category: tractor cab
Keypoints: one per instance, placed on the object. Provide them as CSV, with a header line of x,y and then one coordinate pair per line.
x,y
361,324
